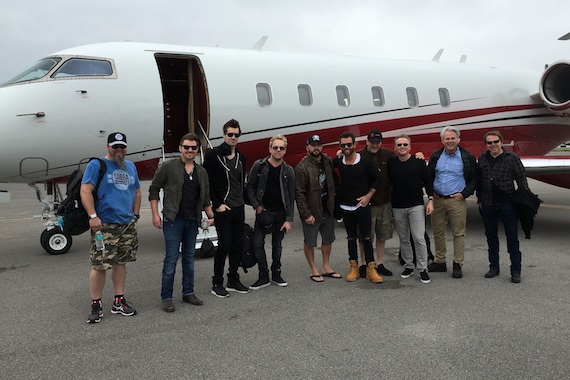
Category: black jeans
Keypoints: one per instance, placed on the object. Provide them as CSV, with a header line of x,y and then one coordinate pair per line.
x,y
278,218
230,229
506,213
358,223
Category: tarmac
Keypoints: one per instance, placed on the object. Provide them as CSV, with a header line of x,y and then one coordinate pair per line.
x,y
469,328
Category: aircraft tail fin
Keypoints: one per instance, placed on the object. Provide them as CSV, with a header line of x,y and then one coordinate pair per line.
x,y
259,44
437,56
565,37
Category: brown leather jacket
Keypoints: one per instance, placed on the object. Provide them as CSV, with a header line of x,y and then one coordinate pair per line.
x,y
308,189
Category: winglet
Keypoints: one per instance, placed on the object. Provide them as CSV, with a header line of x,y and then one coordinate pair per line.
x,y
259,44
565,37
437,55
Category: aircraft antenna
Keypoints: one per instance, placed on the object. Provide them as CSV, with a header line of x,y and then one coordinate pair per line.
x,y
463,58
259,44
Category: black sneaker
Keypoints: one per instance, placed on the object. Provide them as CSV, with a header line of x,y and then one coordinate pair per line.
x,y
261,283
123,308
424,277
219,291
237,286
382,270
278,280
95,316
407,273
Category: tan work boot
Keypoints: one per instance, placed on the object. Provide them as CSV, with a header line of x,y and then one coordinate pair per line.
x,y
372,274
352,271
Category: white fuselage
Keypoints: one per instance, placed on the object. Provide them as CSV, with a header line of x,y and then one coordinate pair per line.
x,y
79,112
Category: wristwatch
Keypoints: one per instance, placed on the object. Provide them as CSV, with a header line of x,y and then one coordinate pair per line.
x,y
137,216
92,216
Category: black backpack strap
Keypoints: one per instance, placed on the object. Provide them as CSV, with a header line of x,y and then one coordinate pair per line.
x,y
75,180
102,171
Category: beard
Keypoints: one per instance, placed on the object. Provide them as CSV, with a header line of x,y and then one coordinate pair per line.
x,y
315,153
120,161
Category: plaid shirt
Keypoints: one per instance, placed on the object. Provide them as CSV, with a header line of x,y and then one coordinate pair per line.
x,y
503,175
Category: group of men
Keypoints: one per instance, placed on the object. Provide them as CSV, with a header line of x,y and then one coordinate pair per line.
x,y
373,190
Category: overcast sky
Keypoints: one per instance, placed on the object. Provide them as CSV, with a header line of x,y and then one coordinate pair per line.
x,y
517,33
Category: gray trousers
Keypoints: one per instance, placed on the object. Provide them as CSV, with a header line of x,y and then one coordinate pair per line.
x,y
412,219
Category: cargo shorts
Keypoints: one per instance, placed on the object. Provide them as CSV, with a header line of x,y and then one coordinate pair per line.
x,y
121,244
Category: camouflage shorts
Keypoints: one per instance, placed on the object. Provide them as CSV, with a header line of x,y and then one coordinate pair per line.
x,y
121,244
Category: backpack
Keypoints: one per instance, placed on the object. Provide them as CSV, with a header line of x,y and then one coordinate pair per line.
x,y
248,255
75,220
207,249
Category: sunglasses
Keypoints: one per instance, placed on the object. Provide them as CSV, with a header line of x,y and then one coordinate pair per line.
x,y
119,147
188,147
492,142
402,144
346,145
231,134
278,147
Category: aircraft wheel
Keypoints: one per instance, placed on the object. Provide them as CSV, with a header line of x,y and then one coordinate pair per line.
x,y
55,241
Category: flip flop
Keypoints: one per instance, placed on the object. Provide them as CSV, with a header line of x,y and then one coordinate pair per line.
x,y
316,276
332,275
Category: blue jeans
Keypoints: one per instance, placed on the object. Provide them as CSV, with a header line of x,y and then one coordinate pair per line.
x,y
278,218
177,232
506,213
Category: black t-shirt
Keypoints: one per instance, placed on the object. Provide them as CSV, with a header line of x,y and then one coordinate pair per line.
x,y
408,179
190,194
323,185
272,200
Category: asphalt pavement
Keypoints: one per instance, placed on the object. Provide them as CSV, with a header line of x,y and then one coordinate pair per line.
x,y
469,328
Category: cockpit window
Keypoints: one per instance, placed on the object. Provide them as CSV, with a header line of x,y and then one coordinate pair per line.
x,y
40,69
81,67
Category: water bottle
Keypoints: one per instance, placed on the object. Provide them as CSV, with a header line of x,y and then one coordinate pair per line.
x,y
204,224
99,244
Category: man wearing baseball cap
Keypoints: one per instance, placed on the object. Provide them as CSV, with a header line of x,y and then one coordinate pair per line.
x,y
315,196
382,220
113,210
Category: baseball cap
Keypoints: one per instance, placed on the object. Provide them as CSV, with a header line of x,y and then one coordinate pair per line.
x,y
374,135
314,139
117,138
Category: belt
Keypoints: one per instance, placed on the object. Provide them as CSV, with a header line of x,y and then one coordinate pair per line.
x,y
444,196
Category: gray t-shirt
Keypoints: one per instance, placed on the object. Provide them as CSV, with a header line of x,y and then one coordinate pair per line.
x,y
235,196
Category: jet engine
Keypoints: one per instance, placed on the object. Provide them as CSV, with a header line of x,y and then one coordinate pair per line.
x,y
555,88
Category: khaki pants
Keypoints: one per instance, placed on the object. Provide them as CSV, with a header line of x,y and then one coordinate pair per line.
x,y
454,211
